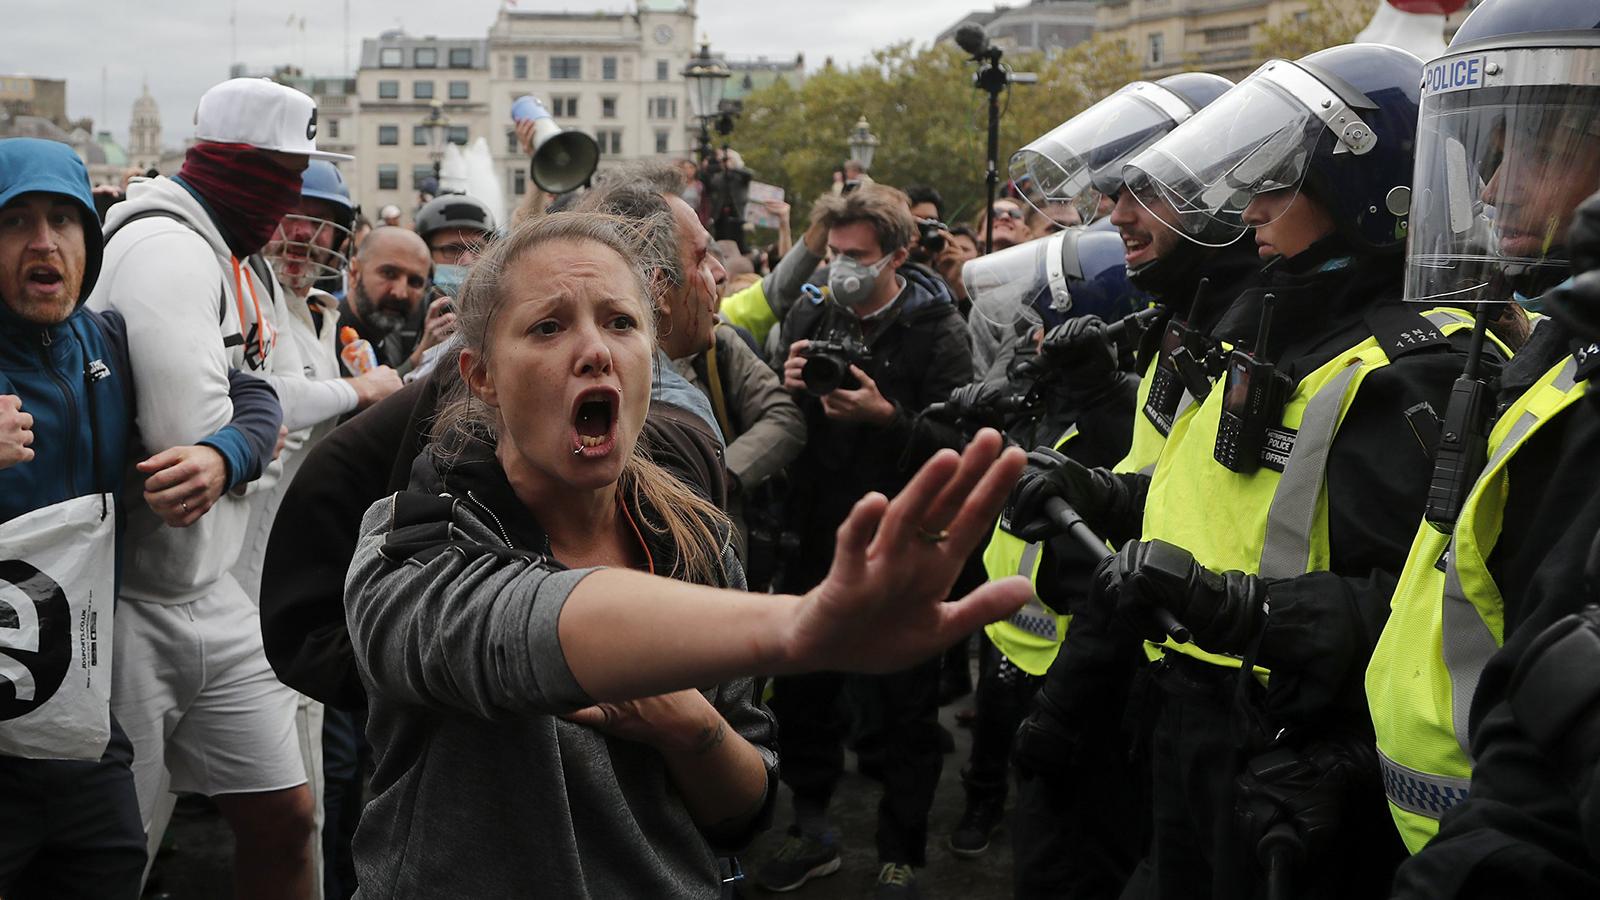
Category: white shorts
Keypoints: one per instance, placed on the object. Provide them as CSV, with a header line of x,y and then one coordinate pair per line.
x,y
192,688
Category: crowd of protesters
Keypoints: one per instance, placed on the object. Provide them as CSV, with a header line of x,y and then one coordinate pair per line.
x,y
471,558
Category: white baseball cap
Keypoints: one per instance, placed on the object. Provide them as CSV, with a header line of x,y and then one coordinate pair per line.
x,y
262,113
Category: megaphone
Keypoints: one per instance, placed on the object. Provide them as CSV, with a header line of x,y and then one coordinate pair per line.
x,y
562,160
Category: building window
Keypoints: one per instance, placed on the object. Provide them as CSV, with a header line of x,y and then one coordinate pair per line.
x,y
663,107
608,107
457,134
388,135
1227,35
388,177
1158,42
422,90
333,129
610,141
566,68
608,68
460,57
564,107
420,173
419,135
519,182
519,67
512,144
426,58
388,90
460,90
662,139
661,70
390,58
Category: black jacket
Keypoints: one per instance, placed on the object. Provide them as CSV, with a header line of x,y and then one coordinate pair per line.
x,y
360,462
919,355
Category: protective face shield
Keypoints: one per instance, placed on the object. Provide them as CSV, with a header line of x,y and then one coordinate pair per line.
x,y
1259,137
305,250
1080,161
1506,150
1074,272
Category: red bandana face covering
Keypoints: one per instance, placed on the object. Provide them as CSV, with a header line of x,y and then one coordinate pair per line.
x,y
247,191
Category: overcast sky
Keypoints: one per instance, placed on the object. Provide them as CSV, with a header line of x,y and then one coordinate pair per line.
x,y
185,46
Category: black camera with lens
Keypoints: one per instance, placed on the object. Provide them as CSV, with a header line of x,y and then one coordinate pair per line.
x,y
930,235
828,363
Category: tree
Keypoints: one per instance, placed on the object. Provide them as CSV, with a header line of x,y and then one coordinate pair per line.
x,y
1324,24
931,122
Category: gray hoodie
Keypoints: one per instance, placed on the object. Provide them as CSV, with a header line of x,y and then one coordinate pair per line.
x,y
481,789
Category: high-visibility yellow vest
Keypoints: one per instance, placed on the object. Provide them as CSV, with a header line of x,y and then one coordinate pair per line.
x,y
1265,523
1446,619
1033,635
1148,439
748,309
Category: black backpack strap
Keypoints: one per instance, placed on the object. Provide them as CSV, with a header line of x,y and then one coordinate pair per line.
x,y
222,285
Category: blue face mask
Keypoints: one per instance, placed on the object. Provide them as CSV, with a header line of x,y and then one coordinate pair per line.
x,y
449,278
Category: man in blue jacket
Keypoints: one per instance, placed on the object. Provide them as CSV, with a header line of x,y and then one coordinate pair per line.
x,y
71,827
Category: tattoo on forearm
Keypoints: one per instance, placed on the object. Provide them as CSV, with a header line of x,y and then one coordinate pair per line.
x,y
710,737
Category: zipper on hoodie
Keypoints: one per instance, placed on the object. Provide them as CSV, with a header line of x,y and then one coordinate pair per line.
x,y
490,513
71,402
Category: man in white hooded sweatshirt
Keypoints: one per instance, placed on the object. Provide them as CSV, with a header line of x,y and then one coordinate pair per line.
x,y
191,683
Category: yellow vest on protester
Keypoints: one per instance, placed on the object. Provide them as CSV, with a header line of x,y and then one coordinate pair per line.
x,y
1267,523
748,309
1032,637
1446,619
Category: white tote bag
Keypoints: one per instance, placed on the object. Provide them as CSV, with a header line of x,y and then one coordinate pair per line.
x,y
57,575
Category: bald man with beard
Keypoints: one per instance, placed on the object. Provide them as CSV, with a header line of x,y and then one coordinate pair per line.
x,y
388,281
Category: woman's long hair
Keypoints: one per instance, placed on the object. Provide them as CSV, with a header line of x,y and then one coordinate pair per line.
x,y
694,526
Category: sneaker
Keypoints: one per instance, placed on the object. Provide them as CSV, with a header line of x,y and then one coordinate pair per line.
x,y
970,839
896,881
801,858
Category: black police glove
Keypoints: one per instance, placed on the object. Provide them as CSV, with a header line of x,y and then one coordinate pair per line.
x,y
1082,351
977,404
1050,474
1299,796
1045,743
1224,612
1555,690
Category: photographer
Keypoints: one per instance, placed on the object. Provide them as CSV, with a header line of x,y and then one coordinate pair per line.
x,y
727,190
886,342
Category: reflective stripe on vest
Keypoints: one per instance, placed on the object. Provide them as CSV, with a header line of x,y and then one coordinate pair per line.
x,y
1446,620
1032,636
1277,525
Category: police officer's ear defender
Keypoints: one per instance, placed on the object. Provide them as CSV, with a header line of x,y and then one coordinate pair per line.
x,y
1254,396
1464,438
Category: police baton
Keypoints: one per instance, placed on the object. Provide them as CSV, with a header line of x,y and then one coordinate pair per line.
x,y
1280,850
1068,520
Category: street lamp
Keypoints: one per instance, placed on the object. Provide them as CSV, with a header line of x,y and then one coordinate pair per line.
x,y
438,125
863,143
707,76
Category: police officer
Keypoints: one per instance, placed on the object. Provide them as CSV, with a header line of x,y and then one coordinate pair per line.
x,y
1293,487
1506,152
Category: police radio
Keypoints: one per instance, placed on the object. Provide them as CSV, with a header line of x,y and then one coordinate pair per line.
x,y
1463,439
1180,367
1254,393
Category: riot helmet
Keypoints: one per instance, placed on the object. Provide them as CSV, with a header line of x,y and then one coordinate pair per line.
x,y
1046,281
1080,161
306,247
1339,123
1506,150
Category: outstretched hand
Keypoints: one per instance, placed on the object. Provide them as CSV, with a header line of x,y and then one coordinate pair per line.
x,y
881,608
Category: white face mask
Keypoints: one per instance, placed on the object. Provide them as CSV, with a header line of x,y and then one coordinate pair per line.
x,y
851,283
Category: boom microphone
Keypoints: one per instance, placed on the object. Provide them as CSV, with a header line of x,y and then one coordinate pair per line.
x,y
973,39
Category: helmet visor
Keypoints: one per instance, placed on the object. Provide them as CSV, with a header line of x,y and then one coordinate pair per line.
x,y
1080,161
1256,138
1500,173
1019,287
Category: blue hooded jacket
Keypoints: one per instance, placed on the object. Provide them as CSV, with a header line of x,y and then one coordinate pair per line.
x,y
73,378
